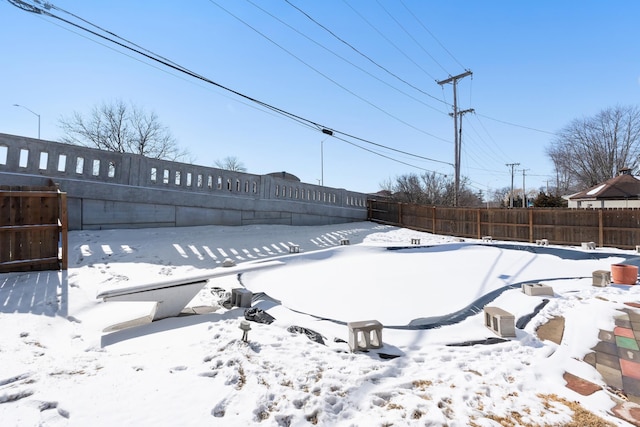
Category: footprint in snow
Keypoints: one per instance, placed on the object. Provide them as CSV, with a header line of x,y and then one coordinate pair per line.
x,y
220,409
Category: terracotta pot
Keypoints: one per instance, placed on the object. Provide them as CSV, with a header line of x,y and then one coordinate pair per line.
x,y
623,274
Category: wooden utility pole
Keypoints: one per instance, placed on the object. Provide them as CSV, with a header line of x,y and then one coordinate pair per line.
x,y
524,191
454,81
512,166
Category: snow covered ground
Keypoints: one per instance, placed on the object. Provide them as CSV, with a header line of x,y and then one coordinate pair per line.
x,y
62,362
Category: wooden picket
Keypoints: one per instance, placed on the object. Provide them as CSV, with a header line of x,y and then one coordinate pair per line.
x,y
33,229
618,228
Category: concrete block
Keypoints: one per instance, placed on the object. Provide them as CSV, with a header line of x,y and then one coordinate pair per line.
x,y
588,245
415,241
241,297
534,289
601,278
344,242
294,249
364,335
542,242
487,238
500,321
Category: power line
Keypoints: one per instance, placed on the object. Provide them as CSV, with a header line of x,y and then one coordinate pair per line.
x,y
431,34
414,40
344,59
359,52
517,125
329,78
126,44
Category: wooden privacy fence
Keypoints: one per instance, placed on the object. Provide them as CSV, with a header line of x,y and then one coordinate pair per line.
x,y
33,229
618,228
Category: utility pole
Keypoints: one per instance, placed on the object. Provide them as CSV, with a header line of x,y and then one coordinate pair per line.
x,y
524,192
454,80
459,150
512,166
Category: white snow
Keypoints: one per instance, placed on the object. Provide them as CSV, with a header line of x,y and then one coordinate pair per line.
x,y
62,361
595,190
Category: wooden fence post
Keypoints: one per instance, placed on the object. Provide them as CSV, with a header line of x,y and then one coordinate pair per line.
x,y
479,223
530,225
64,231
600,229
433,220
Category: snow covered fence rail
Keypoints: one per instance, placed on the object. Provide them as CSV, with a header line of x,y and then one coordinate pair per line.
x,y
172,296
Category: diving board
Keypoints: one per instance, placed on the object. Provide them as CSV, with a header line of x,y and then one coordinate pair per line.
x,y
172,296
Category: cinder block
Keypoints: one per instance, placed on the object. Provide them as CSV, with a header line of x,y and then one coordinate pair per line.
x,y
500,321
542,242
588,245
487,238
364,335
241,297
534,289
294,249
415,241
344,241
601,278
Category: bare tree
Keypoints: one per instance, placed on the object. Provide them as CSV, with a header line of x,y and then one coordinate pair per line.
x,y
430,189
591,150
230,163
124,129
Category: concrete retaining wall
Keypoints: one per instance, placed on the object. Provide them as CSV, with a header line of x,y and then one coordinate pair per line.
x,y
121,190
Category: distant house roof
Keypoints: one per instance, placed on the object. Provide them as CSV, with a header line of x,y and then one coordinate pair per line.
x,y
623,187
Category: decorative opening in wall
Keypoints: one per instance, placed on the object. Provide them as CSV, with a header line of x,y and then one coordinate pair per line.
x,y
246,186
165,176
111,169
62,162
154,175
189,179
229,184
277,191
79,165
210,181
44,159
95,170
237,185
284,191
255,187
199,181
178,177
296,195
24,158
219,183
3,154
333,198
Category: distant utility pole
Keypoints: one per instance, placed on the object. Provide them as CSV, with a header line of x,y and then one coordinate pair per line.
x,y
524,192
454,80
512,166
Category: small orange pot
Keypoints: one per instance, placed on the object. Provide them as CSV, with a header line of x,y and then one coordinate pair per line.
x,y
623,274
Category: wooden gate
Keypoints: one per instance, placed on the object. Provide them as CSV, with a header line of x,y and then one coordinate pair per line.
x,y
33,229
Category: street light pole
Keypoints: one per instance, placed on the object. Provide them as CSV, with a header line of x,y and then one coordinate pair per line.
x,y
329,133
32,112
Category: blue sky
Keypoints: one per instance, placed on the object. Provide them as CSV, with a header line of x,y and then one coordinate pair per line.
x,y
536,66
